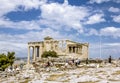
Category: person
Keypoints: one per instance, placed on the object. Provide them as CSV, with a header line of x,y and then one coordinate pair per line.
x,y
11,67
86,61
77,62
109,59
21,66
48,64
66,65
73,60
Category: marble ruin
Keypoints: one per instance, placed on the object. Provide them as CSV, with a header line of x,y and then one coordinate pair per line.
x,y
64,48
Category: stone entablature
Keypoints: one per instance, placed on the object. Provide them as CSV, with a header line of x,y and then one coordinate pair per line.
x,y
64,48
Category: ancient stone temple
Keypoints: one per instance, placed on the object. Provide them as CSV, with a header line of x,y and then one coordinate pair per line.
x,y
64,48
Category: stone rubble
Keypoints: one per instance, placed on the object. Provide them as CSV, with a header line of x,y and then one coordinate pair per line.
x,y
83,73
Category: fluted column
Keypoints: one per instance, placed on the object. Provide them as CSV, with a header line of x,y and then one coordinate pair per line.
x,y
32,52
75,49
78,49
71,49
28,61
37,51
87,51
67,49
34,56
40,52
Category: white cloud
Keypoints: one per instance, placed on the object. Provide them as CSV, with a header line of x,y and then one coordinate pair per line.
x,y
20,49
117,1
32,36
29,25
97,18
98,1
66,2
12,5
113,9
116,18
53,14
110,31
29,4
65,15
7,6
112,44
102,1
92,32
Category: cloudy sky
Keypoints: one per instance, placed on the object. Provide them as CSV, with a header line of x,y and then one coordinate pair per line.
x,y
93,21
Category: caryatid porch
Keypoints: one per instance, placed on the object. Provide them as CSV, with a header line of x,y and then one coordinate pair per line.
x,y
74,48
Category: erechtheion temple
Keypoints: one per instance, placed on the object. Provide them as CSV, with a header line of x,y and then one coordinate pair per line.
x,y
64,48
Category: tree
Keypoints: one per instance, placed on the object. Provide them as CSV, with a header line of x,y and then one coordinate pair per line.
x,y
49,54
11,57
3,61
6,60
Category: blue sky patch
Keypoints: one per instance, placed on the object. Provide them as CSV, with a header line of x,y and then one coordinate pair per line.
x,y
29,15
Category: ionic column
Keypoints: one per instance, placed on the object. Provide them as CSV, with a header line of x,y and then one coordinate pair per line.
x,y
32,52
34,56
39,51
75,49
28,61
71,49
78,49
67,49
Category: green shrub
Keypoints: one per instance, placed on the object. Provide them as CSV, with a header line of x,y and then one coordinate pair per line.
x,y
49,54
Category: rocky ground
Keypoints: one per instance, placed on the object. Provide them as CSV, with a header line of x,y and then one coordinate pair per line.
x,y
90,73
